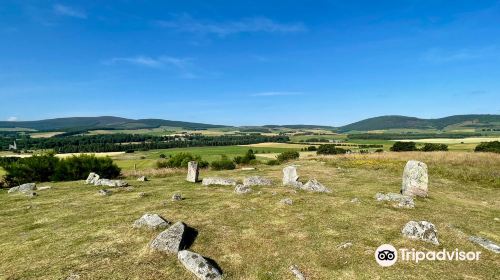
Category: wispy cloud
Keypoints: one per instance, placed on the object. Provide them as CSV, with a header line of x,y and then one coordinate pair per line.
x,y
276,93
12,119
437,55
64,10
183,65
185,23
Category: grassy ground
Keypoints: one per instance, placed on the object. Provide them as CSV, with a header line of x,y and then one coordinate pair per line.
x,y
70,229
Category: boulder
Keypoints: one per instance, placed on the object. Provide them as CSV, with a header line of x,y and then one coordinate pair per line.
x,y
297,273
111,183
315,186
25,188
170,240
92,178
257,181
403,201
286,201
218,181
422,230
151,221
177,197
142,179
199,266
193,172
290,176
485,243
242,189
415,179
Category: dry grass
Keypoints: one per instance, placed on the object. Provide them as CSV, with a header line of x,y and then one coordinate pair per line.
x,y
154,172
70,229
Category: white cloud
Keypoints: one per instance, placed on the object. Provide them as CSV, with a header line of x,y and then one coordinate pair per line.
x,y
276,93
12,119
186,23
183,65
64,10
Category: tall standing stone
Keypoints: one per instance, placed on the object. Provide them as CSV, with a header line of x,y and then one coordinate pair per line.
x,y
290,176
415,179
193,172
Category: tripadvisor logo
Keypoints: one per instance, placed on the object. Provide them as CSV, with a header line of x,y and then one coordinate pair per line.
x,y
387,255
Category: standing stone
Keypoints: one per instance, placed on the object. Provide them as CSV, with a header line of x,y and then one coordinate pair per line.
x,y
422,230
151,221
415,179
170,240
92,178
193,172
290,176
199,266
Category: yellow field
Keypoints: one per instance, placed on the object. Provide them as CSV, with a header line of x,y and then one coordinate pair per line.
x,y
66,155
44,134
469,140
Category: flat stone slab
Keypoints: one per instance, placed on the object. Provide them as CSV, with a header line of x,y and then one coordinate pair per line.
x,y
485,243
404,201
25,188
218,181
257,181
170,240
422,230
199,266
150,221
111,183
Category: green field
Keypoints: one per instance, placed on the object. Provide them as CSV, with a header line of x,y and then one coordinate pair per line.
x,y
70,230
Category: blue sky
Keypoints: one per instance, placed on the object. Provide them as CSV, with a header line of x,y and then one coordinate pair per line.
x,y
249,62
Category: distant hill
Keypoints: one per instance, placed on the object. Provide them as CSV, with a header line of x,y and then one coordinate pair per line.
x,y
105,122
301,126
403,122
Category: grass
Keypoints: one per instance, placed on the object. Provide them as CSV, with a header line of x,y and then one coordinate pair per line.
x,y
70,229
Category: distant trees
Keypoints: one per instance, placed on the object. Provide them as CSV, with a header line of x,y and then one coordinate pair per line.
x,y
47,167
404,147
430,147
181,160
330,150
223,164
288,155
493,147
246,159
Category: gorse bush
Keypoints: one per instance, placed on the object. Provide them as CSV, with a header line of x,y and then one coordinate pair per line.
x,y
493,147
288,155
330,150
43,168
181,160
223,164
404,147
430,147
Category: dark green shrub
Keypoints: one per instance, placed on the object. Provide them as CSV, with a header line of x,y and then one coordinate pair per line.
x,y
273,162
493,147
404,147
429,147
249,156
288,155
330,150
223,164
312,148
178,160
163,156
379,150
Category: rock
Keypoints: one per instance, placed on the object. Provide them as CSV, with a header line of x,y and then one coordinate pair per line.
x,y
142,179
247,168
104,192
315,186
242,189
199,266
415,179
142,194
345,245
286,201
170,240
485,243
496,219
151,221
111,183
257,181
298,274
355,200
43,188
218,181
23,188
404,201
73,277
92,178
290,176
193,172
177,197
422,230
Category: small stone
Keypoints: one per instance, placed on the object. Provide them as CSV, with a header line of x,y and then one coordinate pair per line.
x,y
104,192
247,168
218,181
142,179
151,221
170,240
286,201
32,194
199,266
422,230
485,243
43,188
345,245
355,200
142,194
177,197
496,219
297,273
315,186
415,179
274,193
403,201
257,181
242,189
